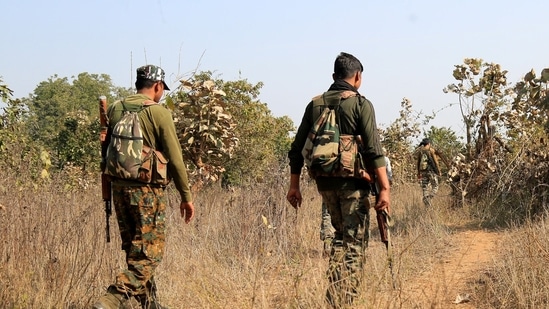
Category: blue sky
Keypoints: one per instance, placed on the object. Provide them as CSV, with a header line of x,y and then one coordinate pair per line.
x,y
408,48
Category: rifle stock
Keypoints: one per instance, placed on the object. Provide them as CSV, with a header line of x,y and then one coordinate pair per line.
x,y
383,226
381,215
105,179
384,221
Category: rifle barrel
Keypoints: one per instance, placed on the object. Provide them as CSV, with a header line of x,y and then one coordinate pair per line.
x,y
103,118
105,179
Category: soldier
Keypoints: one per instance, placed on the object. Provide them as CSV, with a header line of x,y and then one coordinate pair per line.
x,y
343,196
141,208
428,170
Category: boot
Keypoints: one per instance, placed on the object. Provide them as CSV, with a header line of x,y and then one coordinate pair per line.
x,y
427,201
149,300
150,303
111,300
327,247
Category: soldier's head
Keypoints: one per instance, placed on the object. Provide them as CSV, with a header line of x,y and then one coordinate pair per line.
x,y
150,79
425,142
348,68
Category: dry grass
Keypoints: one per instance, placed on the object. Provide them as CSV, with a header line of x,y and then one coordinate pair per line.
x,y
519,278
245,249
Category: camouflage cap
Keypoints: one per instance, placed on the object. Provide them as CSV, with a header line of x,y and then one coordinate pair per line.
x,y
152,72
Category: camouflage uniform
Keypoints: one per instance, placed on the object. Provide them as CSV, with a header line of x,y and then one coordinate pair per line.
x,y
343,197
141,216
351,218
429,175
326,230
141,208
429,186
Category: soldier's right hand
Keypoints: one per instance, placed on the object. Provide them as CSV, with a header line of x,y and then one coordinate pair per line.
x,y
187,211
383,201
294,197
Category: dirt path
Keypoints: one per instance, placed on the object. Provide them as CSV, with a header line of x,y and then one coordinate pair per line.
x,y
448,283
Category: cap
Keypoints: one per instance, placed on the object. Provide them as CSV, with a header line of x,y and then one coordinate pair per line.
x,y
152,72
425,141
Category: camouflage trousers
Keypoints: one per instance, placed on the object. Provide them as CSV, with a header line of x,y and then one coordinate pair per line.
x,y
141,216
326,228
429,186
350,219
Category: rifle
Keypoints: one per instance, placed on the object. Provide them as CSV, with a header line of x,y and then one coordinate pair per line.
x,y
384,221
105,179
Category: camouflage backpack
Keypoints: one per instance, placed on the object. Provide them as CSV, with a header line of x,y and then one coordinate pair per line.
x,y
425,160
128,157
327,152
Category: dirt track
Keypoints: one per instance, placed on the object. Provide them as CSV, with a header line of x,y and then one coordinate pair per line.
x,y
468,256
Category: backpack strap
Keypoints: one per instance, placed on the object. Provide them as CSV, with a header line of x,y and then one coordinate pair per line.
x,y
347,94
343,95
124,109
144,105
148,103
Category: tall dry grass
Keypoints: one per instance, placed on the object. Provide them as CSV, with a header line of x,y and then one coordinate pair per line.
x,y
246,248
519,277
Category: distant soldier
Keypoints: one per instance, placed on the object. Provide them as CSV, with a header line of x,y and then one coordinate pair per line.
x,y
428,170
388,166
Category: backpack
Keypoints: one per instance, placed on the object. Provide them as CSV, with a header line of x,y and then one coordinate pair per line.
x,y
329,153
425,160
128,157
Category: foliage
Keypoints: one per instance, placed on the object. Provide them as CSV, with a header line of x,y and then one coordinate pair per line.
x,y
506,159
18,152
481,89
398,139
264,139
226,131
5,92
447,144
206,130
77,142
75,106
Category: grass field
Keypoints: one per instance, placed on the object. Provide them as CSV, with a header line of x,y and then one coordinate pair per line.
x,y
247,248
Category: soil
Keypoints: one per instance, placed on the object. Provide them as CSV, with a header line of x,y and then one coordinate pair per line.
x,y
451,280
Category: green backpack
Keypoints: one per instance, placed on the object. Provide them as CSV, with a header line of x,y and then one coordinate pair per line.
x,y
327,152
128,157
426,161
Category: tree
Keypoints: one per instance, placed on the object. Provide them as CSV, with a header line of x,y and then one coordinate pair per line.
x,y
506,163
226,131
398,139
77,142
63,116
481,88
446,142
264,139
206,130
18,153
